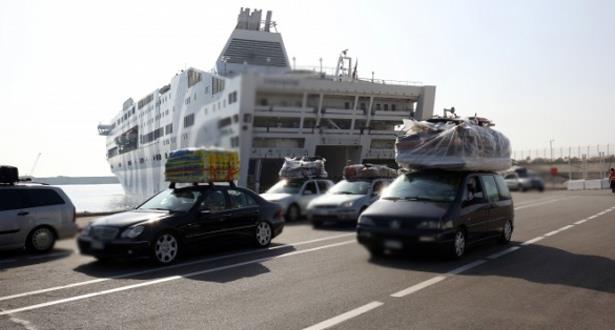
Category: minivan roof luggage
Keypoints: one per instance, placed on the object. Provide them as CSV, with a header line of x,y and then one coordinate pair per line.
x,y
8,174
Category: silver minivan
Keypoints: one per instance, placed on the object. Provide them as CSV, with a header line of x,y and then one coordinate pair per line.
x,y
34,217
294,195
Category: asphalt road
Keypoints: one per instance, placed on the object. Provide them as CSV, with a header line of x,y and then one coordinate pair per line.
x,y
558,273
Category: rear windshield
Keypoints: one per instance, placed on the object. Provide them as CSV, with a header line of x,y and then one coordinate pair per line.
x,y
350,188
428,186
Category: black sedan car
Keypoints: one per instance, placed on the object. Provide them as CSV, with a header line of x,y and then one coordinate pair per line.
x,y
177,219
442,209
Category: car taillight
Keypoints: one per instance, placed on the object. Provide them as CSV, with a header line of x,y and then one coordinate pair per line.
x,y
278,214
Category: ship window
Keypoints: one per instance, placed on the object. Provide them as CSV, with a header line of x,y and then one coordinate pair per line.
x,y
168,129
141,160
378,106
359,124
224,122
235,141
386,107
189,120
363,107
276,122
263,102
111,166
346,105
193,77
235,118
129,163
309,122
392,107
247,118
128,140
232,97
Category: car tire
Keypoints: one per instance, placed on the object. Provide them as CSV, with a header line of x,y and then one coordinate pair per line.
x,y
293,213
316,223
165,248
103,260
507,231
40,240
458,247
375,252
263,234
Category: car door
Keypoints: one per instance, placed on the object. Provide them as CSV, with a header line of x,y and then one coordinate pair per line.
x,y
474,213
12,216
210,219
308,192
244,212
496,215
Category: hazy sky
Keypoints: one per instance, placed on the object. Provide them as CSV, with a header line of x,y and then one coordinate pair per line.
x,y
540,69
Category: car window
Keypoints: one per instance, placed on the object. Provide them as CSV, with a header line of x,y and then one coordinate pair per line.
x,y
41,197
10,199
323,186
490,188
214,201
474,190
426,186
379,185
173,200
310,186
240,199
502,187
346,187
511,176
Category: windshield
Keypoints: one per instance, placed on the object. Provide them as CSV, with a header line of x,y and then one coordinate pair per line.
x,y
286,187
431,186
350,188
172,200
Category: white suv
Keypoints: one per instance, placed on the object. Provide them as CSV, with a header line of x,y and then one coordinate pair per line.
x,y
34,217
294,195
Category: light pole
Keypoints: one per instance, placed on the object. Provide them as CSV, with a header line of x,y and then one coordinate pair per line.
x,y
551,149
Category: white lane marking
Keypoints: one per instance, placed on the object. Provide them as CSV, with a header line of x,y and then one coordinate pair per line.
x,y
533,240
467,267
172,278
542,203
440,278
419,286
580,221
345,317
539,201
503,253
566,228
153,270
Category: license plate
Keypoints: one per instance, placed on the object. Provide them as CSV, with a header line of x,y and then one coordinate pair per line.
x,y
393,244
97,245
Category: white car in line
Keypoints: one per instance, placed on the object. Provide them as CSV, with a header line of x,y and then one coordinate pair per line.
x,y
294,195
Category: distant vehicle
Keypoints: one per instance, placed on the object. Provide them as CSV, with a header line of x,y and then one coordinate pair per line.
x,y
182,218
294,195
522,179
444,210
346,200
34,216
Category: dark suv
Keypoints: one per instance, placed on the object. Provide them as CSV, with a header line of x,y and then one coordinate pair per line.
x,y
442,209
176,219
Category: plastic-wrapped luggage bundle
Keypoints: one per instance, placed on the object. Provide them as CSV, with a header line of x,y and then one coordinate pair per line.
x,y
202,165
8,174
368,171
303,167
452,144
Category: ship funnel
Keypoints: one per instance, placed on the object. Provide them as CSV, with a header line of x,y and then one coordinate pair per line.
x,y
253,46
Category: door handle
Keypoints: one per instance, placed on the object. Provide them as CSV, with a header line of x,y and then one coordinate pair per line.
x,y
23,213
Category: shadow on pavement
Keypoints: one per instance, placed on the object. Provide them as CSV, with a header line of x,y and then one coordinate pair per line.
x,y
22,258
533,263
208,258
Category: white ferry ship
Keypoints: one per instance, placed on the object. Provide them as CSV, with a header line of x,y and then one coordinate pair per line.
x,y
256,102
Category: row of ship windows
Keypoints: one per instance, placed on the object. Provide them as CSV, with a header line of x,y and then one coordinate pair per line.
x,y
347,105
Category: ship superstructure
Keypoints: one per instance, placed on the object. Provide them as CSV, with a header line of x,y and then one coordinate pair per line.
x,y
255,102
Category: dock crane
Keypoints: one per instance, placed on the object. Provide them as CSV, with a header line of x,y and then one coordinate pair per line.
x,y
34,165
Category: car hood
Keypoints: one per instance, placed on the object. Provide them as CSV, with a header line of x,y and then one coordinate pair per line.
x,y
275,197
130,218
407,210
335,199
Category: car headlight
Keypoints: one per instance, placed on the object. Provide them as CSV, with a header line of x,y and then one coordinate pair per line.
x,y
363,220
429,224
346,204
133,232
86,230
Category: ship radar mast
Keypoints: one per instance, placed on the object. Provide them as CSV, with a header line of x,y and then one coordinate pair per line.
x,y
344,69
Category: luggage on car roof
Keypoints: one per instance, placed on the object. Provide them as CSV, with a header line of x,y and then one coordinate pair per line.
x,y
368,171
202,165
452,144
8,174
303,167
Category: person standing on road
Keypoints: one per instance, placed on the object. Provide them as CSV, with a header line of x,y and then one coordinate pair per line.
x,y
612,179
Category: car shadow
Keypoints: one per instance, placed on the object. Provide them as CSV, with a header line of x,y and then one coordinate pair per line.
x,y
206,264
22,258
533,263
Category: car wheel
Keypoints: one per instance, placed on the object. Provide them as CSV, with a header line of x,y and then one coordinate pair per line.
x,y
103,259
316,223
458,247
166,248
293,213
41,239
506,232
375,252
263,234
